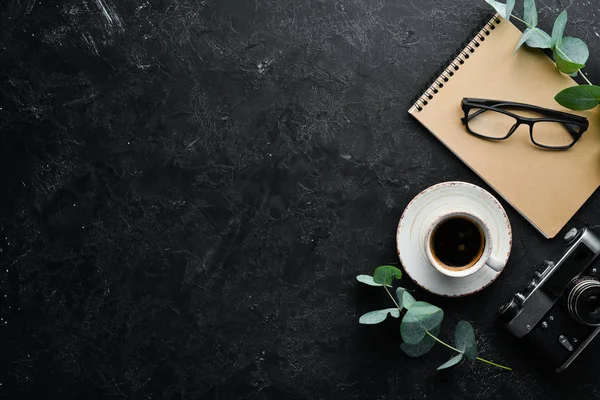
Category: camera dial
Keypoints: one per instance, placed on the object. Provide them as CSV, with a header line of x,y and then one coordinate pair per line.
x,y
508,310
583,300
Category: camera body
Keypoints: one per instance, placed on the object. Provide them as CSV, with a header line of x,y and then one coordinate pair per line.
x,y
559,311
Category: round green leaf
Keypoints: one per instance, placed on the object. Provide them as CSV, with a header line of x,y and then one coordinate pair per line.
x,y
423,347
419,318
404,299
573,49
539,39
582,97
530,12
451,362
464,339
377,316
559,28
564,66
570,55
385,274
367,280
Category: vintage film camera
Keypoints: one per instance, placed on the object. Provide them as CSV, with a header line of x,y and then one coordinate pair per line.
x,y
559,311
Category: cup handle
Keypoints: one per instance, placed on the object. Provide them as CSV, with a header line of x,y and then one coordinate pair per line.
x,y
494,263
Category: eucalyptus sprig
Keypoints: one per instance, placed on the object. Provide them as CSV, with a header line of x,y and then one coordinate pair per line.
x,y
570,54
421,321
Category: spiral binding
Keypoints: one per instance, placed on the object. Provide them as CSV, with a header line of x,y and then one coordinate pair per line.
x,y
457,59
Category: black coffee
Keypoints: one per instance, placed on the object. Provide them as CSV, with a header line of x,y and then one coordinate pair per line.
x,y
457,242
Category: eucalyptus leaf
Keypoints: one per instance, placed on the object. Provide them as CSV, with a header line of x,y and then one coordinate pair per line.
x,y
505,10
385,274
451,362
524,37
510,4
464,339
582,97
405,299
368,280
564,66
420,318
530,12
559,28
573,50
539,40
377,316
423,347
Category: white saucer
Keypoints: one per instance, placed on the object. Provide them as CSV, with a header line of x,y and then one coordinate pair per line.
x,y
469,197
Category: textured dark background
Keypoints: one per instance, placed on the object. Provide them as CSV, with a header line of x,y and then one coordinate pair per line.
x,y
189,187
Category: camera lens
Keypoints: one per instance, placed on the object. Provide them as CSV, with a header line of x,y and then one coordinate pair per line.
x,y
584,300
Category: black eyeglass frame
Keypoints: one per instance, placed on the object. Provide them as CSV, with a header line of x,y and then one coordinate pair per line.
x,y
551,116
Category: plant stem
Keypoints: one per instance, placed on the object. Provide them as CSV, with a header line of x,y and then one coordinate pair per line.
x,y
519,19
585,77
392,297
562,54
442,342
494,364
462,352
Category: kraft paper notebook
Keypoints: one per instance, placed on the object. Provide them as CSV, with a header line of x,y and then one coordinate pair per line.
x,y
547,187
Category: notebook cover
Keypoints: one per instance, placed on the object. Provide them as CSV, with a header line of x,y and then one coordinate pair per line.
x,y
546,187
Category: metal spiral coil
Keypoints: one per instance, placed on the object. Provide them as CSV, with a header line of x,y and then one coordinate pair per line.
x,y
458,59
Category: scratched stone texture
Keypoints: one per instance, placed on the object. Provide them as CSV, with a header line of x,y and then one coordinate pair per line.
x,y
189,187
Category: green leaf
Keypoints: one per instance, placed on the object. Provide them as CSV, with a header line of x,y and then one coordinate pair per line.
x,y
419,318
510,4
503,9
385,274
539,40
573,50
451,362
570,55
405,299
524,37
464,339
423,347
582,97
377,316
564,66
368,280
559,28
530,12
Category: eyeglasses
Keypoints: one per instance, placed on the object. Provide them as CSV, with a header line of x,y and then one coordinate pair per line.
x,y
491,119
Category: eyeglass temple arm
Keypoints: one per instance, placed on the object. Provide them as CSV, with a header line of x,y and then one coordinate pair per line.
x,y
547,111
571,130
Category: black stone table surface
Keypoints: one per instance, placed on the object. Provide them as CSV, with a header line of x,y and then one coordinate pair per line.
x,y
189,188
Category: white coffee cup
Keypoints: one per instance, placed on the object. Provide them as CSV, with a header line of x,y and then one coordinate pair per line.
x,y
482,259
